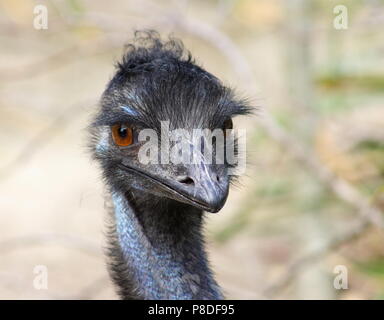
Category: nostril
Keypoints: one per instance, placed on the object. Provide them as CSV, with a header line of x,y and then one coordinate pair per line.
x,y
186,180
218,178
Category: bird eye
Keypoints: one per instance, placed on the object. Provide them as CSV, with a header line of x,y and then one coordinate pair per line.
x,y
122,135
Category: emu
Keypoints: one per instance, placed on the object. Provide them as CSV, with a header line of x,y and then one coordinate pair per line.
x,y
156,248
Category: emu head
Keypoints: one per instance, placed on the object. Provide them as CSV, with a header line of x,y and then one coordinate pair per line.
x,y
160,91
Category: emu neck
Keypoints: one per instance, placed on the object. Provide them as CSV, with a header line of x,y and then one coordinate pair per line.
x,y
161,250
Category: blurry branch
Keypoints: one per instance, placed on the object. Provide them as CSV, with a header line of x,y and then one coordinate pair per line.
x,y
341,188
92,289
293,268
221,42
87,292
298,32
70,241
59,59
43,138
84,49
290,143
83,245
48,63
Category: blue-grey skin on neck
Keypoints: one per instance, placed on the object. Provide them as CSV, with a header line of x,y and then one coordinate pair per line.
x,y
162,249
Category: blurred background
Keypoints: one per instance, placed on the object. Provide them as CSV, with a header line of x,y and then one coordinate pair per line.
x,y
313,195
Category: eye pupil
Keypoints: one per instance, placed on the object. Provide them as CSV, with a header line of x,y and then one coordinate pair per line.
x,y
123,132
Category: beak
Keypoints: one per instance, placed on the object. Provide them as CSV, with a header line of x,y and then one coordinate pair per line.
x,y
203,186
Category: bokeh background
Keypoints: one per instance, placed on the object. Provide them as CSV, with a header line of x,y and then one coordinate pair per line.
x,y
313,194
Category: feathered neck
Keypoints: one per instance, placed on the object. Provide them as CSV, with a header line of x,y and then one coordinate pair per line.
x,y
157,249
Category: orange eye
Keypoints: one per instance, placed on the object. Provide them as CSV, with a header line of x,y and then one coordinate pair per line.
x,y
122,135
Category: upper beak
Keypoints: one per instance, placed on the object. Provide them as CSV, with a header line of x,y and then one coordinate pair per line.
x,y
203,187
